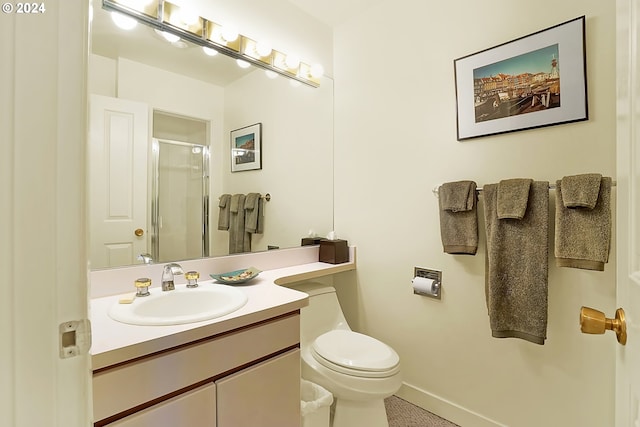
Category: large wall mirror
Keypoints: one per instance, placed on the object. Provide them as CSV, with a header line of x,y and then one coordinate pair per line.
x,y
161,117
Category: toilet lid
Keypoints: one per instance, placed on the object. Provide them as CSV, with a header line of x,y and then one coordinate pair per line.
x,y
355,351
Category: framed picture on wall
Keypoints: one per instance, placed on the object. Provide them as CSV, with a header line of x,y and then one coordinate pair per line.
x,y
246,148
534,81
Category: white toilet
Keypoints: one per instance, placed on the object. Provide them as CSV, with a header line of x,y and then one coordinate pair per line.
x,y
358,370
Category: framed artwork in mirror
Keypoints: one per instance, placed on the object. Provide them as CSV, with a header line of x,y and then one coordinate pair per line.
x,y
534,81
246,148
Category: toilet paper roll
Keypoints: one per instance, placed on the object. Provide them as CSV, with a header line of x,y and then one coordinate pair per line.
x,y
425,285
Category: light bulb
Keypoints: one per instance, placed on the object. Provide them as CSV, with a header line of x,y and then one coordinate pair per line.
x,y
189,16
292,61
242,63
123,21
316,70
263,48
209,51
229,33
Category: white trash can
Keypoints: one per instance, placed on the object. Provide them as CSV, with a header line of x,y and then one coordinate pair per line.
x,y
315,404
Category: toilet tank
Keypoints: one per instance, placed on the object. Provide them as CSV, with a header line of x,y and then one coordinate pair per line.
x,y
323,313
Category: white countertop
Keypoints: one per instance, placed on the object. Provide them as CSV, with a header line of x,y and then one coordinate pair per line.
x,y
114,342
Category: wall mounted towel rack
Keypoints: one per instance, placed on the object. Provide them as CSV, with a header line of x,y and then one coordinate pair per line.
x,y
266,197
435,191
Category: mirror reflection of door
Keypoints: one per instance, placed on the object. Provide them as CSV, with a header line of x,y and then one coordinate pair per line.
x,y
146,197
117,150
180,201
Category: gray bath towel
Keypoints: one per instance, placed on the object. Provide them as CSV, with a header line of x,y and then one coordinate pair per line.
x,y
517,266
581,191
513,195
458,229
237,234
223,217
583,235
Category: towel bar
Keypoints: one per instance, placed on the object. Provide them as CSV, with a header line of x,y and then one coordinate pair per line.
x,y
267,197
436,190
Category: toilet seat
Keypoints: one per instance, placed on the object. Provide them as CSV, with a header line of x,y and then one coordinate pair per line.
x,y
355,354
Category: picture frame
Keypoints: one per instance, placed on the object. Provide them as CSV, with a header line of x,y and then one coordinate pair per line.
x,y
534,81
246,148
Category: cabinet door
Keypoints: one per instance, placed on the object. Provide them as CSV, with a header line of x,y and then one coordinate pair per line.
x,y
196,408
264,395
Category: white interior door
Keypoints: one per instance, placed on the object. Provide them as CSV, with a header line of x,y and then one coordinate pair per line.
x,y
43,117
118,146
628,211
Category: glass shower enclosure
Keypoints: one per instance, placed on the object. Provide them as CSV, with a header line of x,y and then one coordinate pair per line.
x,y
180,200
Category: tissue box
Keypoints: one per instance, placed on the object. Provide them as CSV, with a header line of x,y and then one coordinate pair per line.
x,y
334,251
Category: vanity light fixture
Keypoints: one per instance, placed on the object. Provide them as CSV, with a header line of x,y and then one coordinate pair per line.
x,y
185,24
148,8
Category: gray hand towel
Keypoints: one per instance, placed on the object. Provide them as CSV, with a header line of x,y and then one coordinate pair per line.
x,y
516,277
251,215
235,203
458,196
237,238
583,235
459,229
223,217
581,191
513,195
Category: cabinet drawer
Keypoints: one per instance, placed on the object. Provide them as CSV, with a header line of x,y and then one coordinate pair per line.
x,y
133,384
194,408
264,395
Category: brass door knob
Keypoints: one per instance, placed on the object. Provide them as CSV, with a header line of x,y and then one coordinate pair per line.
x,y
593,321
139,232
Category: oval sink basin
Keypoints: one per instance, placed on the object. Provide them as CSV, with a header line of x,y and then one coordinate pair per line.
x,y
183,305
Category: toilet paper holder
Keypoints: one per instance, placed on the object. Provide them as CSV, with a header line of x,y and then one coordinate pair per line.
x,y
427,273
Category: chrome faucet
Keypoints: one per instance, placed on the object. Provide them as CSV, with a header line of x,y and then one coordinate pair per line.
x,y
168,272
146,258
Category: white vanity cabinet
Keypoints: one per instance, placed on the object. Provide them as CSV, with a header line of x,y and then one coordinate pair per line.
x,y
248,376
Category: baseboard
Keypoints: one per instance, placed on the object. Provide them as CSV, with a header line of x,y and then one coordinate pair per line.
x,y
444,408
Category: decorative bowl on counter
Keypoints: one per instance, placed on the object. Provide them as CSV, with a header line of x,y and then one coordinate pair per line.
x,y
237,277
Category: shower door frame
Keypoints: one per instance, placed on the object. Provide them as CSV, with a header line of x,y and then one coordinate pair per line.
x,y
155,194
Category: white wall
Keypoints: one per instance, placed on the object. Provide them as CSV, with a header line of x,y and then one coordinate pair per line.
x,y
396,141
